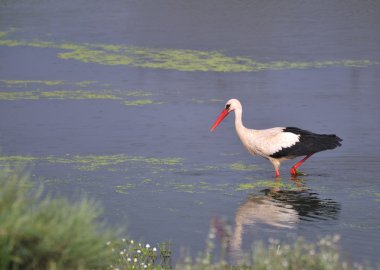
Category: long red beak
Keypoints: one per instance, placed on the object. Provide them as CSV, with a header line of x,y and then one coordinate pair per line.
x,y
223,115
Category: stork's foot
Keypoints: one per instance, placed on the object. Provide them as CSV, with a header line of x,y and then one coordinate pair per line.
x,y
294,172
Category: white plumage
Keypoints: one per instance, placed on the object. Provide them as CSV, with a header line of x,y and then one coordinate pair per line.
x,y
279,143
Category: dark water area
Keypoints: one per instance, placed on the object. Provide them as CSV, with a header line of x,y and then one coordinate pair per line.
x,y
114,99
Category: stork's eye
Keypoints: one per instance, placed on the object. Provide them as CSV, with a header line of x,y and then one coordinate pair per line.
x,y
228,106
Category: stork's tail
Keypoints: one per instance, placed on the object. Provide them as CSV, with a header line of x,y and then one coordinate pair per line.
x,y
328,141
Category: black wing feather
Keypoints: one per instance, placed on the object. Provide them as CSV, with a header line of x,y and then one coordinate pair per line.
x,y
309,143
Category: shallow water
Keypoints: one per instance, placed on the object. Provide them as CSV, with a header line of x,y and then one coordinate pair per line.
x,y
115,100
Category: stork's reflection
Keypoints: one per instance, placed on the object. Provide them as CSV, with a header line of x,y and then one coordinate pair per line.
x,y
280,208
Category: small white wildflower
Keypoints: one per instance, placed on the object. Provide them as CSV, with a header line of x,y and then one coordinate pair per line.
x,y
129,259
147,246
336,238
108,243
135,260
132,241
123,240
145,266
121,252
138,251
154,249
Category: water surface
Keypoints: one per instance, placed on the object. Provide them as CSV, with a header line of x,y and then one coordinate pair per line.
x,y
115,100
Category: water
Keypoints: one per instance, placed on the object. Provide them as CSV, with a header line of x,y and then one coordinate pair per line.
x,y
128,124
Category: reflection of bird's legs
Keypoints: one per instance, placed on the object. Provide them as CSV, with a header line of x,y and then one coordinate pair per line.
x,y
299,184
294,171
276,188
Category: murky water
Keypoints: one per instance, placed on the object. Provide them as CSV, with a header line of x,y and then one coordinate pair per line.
x,y
115,100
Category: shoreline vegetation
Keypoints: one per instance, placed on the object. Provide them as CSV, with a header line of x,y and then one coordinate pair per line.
x,y
41,232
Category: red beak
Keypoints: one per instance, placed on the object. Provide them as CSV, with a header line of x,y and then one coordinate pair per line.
x,y
223,115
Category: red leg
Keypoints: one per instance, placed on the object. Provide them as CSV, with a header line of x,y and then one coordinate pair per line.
x,y
293,170
277,173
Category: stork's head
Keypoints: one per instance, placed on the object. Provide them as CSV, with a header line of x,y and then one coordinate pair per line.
x,y
231,105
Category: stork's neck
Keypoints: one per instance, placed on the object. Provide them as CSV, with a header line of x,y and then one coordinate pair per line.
x,y
240,129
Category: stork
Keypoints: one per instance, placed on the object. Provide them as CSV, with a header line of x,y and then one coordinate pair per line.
x,y
279,143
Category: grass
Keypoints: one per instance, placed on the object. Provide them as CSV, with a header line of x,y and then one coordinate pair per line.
x,y
39,232
46,233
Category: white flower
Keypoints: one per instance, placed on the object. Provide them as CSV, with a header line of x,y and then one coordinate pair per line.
x,y
108,243
121,252
132,241
129,259
138,251
123,239
154,249
145,266
147,246
135,260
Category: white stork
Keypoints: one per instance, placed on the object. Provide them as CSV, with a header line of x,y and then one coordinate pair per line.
x,y
279,143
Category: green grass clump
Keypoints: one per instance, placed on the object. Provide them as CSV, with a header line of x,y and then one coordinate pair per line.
x,y
45,233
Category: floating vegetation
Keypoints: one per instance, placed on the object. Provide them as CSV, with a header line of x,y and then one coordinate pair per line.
x,y
243,167
10,83
124,188
92,162
138,102
75,94
264,184
128,98
174,59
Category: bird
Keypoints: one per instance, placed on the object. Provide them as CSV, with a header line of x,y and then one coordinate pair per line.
x,y
279,143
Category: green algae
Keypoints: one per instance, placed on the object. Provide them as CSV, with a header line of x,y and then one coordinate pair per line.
x,y
173,59
94,162
66,94
18,159
243,167
188,188
139,94
10,83
74,94
138,102
25,82
124,188
264,184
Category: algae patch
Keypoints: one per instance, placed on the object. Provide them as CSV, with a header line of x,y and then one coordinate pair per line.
x,y
124,188
243,167
264,184
57,90
138,102
173,59
64,95
95,162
